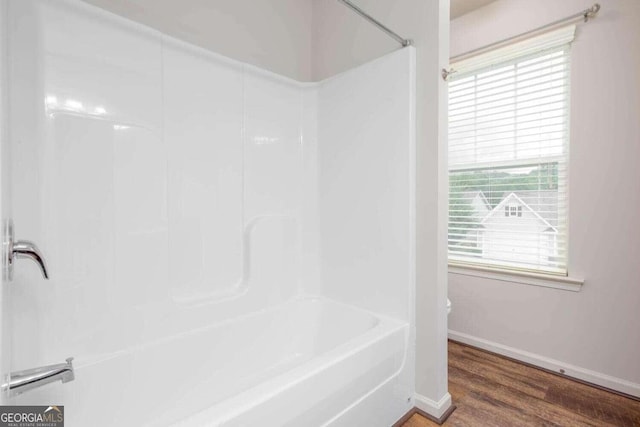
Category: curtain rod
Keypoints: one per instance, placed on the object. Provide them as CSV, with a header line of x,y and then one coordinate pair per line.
x,y
365,15
586,14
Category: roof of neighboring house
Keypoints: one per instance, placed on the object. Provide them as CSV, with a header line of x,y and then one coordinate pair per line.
x,y
471,195
542,202
513,196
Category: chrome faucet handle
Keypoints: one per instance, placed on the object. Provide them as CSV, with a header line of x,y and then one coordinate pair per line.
x,y
24,249
20,249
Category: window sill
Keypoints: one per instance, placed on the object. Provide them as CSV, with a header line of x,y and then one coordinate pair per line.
x,y
545,280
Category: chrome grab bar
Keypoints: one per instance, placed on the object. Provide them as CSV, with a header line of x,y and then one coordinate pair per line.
x,y
29,379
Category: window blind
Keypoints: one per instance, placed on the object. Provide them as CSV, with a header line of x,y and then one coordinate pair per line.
x,y
508,153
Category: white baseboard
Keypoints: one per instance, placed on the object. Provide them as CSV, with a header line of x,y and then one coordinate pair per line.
x,y
431,407
583,374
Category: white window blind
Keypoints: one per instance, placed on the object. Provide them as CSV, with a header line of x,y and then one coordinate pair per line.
x,y
508,152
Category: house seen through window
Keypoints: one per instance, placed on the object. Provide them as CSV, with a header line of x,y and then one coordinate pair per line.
x,y
508,154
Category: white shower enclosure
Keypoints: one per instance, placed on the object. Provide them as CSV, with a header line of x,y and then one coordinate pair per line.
x,y
225,246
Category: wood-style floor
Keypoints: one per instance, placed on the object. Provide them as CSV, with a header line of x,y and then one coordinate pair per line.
x,y
490,390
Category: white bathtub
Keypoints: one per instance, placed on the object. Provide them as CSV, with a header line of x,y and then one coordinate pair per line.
x,y
301,363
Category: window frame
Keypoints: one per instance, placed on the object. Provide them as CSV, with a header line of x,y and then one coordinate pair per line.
x,y
563,159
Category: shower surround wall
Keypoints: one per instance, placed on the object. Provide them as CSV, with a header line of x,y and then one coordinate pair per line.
x,y
224,243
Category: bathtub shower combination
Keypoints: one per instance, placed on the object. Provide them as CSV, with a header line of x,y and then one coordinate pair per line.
x,y
224,246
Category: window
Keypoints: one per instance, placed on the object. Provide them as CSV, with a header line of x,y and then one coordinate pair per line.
x,y
513,210
508,154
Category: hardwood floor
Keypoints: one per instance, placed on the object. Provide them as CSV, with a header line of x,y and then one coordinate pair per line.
x,y
490,390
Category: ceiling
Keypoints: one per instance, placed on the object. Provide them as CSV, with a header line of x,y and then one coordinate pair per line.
x,y
460,7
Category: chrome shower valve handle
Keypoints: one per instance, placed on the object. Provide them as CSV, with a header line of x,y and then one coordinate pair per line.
x,y
21,249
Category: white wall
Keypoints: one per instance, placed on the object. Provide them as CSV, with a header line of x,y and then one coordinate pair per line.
x,y
366,185
342,40
592,333
271,34
366,203
158,178
5,193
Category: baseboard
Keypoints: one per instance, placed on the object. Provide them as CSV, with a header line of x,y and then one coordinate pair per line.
x,y
405,418
585,375
434,410
414,410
